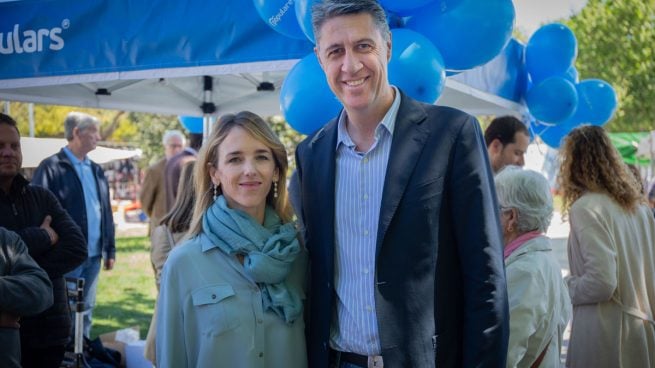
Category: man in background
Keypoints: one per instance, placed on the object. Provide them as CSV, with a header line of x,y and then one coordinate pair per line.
x,y
81,187
174,167
153,189
507,140
53,240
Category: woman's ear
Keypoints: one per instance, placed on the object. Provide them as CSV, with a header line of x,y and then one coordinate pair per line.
x,y
276,174
213,174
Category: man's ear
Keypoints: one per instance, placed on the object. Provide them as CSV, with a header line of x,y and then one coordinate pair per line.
x,y
389,48
496,146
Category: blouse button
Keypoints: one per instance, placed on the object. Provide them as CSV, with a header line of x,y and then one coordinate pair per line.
x,y
213,296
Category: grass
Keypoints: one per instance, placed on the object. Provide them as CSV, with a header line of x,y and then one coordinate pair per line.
x,y
126,295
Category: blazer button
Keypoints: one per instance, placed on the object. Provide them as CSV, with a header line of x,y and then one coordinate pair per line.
x,y
329,286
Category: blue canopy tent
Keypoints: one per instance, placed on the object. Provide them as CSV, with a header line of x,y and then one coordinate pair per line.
x,y
186,58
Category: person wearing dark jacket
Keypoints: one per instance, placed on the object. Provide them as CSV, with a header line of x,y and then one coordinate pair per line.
x,y
54,241
81,187
24,289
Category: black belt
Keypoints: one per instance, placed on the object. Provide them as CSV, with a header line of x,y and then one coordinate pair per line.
x,y
352,358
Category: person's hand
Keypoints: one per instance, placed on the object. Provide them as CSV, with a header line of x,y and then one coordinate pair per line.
x,y
109,264
9,320
54,237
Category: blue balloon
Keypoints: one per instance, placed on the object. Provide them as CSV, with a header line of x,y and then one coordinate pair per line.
x,y
550,51
467,33
416,66
572,75
303,10
404,7
597,101
280,15
191,123
553,100
305,97
553,136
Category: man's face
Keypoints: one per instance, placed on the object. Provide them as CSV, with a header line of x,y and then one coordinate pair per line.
x,y
354,57
173,146
88,138
509,154
11,156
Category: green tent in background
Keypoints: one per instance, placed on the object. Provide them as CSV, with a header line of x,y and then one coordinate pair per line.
x,y
626,144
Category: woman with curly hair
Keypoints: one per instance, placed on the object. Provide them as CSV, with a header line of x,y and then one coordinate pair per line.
x,y
611,254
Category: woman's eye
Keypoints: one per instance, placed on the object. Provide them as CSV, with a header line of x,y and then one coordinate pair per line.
x,y
234,160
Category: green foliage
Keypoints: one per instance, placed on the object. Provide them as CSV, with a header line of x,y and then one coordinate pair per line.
x,y
616,42
288,136
150,129
49,121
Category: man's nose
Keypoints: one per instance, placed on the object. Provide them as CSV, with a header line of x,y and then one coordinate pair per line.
x,y
521,161
351,63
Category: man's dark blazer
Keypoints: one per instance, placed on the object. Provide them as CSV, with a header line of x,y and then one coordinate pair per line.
x,y
440,288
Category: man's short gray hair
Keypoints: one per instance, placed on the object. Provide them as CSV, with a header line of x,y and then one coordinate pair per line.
x,y
78,120
173,133
527,191
327,9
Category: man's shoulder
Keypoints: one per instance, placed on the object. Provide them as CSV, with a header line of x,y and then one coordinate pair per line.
x,y
320,134
160,165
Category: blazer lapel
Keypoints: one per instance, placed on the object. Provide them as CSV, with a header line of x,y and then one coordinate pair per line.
x,y
409,138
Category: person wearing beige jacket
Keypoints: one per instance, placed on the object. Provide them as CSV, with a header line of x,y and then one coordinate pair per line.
x,y
172,229
611,253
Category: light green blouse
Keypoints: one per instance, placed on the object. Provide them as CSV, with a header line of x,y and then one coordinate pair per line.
x,y
210,314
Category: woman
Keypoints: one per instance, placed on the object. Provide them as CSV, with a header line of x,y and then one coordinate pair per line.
x,y
611,255
231,295
173,226
538,300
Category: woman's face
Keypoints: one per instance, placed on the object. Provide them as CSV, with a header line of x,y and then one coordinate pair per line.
x,y
245,171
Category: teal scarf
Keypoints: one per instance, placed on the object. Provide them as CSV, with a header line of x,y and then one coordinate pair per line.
x,y
268,251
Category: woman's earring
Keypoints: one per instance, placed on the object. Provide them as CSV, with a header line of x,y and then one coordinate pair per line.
x,y
215,191
275,189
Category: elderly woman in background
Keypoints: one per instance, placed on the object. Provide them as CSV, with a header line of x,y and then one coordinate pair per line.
x,y
172,228
231,295
538,300
611,254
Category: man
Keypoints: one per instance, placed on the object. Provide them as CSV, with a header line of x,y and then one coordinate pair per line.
x,y
400,216
174,168
53,240
24,289
81,187
153,190
507,141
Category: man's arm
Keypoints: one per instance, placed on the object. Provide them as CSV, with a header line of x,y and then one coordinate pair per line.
x,y
71,248
479,240
108,253
26,288
149,191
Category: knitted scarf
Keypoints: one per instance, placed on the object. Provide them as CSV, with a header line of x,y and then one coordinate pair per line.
x,y
268,250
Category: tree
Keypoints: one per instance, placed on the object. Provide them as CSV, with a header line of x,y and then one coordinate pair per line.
x,y
150,130
616,42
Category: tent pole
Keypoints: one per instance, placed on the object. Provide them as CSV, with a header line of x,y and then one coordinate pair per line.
x,y
208,106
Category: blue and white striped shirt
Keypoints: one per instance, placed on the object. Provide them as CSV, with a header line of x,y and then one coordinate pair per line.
x,y
359,183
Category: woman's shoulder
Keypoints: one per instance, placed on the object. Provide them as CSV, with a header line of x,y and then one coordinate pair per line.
x,y
185,251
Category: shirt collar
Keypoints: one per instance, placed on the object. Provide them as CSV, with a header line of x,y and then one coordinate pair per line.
x,y
388,122
74,160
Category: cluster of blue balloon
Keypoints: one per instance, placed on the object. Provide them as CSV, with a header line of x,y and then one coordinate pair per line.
x,y
193,124
430,38
555,97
